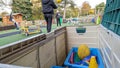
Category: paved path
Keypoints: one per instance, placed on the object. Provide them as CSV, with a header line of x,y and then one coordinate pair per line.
x,y
9,34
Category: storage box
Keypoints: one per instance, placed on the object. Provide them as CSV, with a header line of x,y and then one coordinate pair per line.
x,y
94,52
80,30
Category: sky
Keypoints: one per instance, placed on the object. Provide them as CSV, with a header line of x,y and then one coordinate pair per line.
x,y
93,3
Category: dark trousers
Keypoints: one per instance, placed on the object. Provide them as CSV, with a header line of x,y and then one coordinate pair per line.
x,y
16,25
48,18
58,22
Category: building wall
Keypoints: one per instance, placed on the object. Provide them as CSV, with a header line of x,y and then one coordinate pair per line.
x,y
6,21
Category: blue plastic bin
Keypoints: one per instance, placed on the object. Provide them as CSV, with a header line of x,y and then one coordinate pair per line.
x,y
57,67
94,52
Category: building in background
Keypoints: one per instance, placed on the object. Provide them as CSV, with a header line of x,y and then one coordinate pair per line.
x,y
16,16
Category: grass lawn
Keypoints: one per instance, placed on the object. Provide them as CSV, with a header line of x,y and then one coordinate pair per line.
x,y
17,37
13,38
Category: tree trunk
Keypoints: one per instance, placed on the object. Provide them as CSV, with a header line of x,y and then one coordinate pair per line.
x,y
64,16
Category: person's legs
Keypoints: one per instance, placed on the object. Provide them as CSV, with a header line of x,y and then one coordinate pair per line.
x,y
57,21
49,22
46,19
16,25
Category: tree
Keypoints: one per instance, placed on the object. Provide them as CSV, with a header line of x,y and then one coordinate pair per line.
x,y
65,5
100,7
85,8
37,10
24,7
72,12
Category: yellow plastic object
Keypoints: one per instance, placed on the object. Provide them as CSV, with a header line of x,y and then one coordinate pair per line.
x,y
83,51
59,1
93,62
28,28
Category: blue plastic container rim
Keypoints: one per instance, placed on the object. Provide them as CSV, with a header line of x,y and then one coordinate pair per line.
x,y
57,67
99,57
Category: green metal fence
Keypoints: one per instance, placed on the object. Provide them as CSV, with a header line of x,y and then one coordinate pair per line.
x,y
111,17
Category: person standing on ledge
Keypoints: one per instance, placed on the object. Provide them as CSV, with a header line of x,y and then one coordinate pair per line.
x,y
48,7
